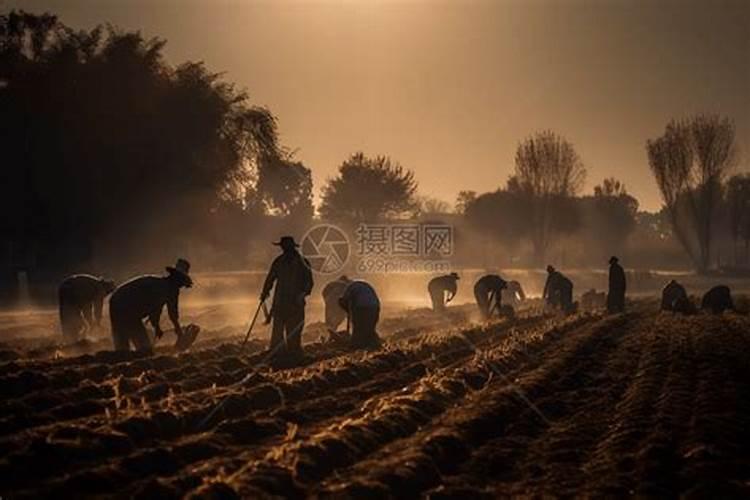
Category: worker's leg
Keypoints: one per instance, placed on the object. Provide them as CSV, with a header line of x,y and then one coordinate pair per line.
x,y
71,321
482,303
139,337
566,299
294,325
120,334
438,299
277,331
364,321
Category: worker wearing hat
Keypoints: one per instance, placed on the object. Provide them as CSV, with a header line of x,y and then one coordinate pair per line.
x,y
145,297
290,273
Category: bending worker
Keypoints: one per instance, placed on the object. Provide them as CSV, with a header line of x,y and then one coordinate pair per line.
x,y
439,286
674,298
558,290
488,294
717,300
145,297
81,298
362,304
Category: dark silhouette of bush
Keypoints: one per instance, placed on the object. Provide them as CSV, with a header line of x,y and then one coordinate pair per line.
x,y
105,144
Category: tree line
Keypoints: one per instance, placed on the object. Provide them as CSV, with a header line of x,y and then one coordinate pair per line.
x,y
109,152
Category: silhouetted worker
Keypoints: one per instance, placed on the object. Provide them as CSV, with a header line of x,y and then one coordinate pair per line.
x,y
513,293
81,298
145,297
674,298
617,286
718,299
488,294
332,292
363,306
558,290
438,288
293,278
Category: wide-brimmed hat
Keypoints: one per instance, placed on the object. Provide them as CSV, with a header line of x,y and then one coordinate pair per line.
x,y
181,268
613,259
455,276
286,242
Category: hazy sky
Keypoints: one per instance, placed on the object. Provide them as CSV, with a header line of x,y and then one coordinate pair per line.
x,y
448,88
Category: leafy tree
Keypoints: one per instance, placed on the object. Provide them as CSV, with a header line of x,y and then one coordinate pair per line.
x,y
549,173
609,217
463,200
502,214
104,142
368,190
689,162
285,186
429,205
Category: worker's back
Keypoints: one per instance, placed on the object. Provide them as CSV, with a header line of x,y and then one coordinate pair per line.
x,y
82,288
360,293
142,295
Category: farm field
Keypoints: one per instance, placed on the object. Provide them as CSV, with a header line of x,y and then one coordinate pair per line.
x,y
642,403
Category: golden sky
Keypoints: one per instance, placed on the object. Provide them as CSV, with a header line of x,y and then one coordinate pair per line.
x,y
449,88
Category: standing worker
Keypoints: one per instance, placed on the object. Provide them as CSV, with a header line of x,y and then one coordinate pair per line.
x,y
488,294
362,304
558,291
438,288
332,292
81,298
293,278
617,286
145,297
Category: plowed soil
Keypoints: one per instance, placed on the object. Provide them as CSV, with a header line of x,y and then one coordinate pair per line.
x,y
641,403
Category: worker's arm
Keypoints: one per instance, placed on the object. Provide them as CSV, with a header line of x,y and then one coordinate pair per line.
x,y
173,312
545,293
98,306
270,280
87,315
452,289
308,278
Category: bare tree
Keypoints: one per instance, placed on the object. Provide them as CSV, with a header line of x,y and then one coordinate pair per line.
x,y
689,163
548,171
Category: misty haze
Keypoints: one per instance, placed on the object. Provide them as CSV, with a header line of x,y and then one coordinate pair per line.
x,y
374,248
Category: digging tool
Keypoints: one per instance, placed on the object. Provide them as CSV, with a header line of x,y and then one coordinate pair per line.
x,y
252,323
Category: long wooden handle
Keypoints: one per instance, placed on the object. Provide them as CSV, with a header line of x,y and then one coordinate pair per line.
x,y
252,324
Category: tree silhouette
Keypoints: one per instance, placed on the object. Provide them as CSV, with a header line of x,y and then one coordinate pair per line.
x,y
549,172
369,190
104,144
689,162
609,218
